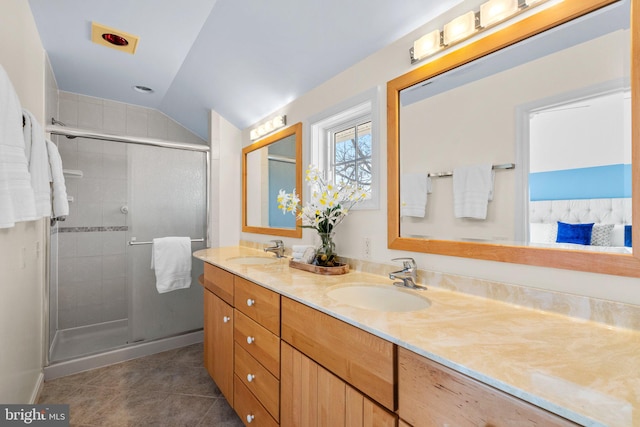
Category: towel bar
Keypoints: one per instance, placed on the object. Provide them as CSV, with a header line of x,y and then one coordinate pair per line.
x,y
450,173
134,243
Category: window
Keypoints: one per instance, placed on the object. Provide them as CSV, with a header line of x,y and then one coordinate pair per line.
x,y
344,145
351,157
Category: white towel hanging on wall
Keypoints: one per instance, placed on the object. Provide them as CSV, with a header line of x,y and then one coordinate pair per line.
x,y
414,188
472,190
39,168
17,200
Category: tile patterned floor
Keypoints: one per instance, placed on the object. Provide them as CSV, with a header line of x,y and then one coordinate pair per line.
x,y
169,389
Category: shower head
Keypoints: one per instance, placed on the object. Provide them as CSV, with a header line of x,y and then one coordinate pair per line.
x,y
58,122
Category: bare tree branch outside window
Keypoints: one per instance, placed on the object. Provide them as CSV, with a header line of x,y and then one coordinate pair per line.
x,y
352,156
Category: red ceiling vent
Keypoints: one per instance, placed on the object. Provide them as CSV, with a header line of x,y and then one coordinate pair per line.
x,y
115,39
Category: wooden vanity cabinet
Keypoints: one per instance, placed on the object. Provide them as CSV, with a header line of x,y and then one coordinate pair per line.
x,y
430,394
333,373
218,329
314,397
280,362
257,354
242,344
360,358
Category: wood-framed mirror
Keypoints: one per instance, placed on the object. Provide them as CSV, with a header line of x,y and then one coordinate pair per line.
x,y
511,188
269,165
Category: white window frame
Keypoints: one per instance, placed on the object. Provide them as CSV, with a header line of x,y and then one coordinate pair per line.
x,y
361,108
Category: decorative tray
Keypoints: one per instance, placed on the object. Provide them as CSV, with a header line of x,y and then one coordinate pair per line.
x,y
327,271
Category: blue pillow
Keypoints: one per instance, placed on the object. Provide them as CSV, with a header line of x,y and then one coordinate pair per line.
x,y
627,236
574,233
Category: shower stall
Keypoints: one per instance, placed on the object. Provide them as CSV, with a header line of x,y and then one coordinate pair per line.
x,y
123,193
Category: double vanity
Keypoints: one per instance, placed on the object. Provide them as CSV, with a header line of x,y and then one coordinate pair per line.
x,y
288,347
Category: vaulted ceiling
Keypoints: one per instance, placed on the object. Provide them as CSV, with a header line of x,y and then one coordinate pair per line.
x,y
242,58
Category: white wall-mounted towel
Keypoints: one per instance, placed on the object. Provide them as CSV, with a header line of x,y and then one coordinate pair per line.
x,y
17,201
38,157
414,188
472,190
60,201
171,259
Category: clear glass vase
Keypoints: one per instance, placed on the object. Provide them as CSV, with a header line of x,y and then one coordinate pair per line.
x,y
325,254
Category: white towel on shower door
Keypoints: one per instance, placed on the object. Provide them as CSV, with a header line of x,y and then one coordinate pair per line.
x,y
171,259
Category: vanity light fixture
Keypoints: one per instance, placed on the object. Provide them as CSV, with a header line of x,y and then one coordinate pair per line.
x,y
268,127
461,28
427,44
496,10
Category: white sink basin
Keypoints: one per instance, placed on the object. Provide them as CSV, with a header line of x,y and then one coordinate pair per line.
x,y
378,297
253,260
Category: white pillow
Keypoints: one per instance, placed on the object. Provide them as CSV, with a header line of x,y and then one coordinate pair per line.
x,y
617,235
543,233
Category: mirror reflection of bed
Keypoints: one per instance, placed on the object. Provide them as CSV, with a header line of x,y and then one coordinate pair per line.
x,y
558,107
580,172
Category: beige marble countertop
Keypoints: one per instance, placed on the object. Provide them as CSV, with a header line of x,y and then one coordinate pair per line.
x,y
585,371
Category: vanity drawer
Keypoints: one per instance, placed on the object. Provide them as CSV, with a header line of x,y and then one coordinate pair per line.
x,y
219,281
430,394
259,303
258,380
358,357
258,342
250,411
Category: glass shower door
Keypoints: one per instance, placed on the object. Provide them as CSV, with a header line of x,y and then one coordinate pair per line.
x,y
167,197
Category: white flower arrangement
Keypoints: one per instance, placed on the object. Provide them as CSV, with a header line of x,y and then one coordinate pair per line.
x,y
329,205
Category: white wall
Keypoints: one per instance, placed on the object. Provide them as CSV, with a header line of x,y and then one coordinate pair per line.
x,y
581,135
22,255
226,155
375,71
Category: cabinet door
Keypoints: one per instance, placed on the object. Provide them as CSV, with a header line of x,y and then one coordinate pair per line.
x,y
361,411
431,394
218,343
358,357
314,397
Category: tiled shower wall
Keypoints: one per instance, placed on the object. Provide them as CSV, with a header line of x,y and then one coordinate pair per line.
x,y
92,241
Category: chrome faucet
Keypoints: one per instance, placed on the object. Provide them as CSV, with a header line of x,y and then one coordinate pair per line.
x,y
408,275
277,249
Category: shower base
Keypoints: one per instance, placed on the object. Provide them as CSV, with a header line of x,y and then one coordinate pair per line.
x,y
80,349
84,340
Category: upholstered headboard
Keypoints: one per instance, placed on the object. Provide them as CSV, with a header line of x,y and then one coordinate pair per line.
x,y
600,211
544,215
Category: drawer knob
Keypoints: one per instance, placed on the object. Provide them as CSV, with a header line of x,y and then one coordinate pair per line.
x,y
250,377
250,302
250,340
226,319
250,418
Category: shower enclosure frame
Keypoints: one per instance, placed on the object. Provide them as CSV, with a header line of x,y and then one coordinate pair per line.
x,y
84,133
